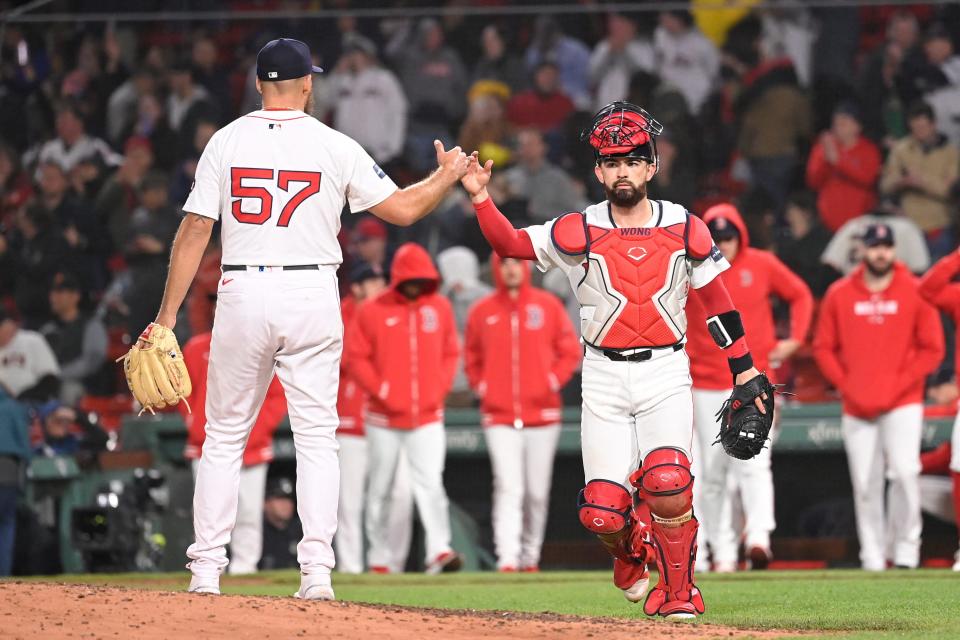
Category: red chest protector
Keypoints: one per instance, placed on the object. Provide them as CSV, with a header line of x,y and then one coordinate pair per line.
x,y
634,289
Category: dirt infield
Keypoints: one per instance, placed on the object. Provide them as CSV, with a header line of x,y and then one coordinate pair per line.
x,y
44,610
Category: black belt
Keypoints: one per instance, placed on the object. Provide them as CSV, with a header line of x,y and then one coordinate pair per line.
x,y
638,356
289,267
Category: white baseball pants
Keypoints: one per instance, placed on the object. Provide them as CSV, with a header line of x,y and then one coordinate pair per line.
x,y
288,323
631,408
246,543
522,461
425,449
348,542
719,478
887,448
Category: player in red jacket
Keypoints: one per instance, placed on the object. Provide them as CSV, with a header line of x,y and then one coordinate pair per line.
x,y
876,341
402,350
246,542
937,287
753,278
520,350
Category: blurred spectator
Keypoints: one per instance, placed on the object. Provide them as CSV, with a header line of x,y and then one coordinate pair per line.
x,y
78,340
14,456
944,97
247,539
520,351
486,130
187,104
67,432
149,237
882,102
208,74
569,56
368,242
538,189
616,58
807,241
151,123
938,67
882,391
15,187
789,31
124,103
685,58
921,169
282,530
72,144
120,194
36,251
28,367
497,62
676,178
460,277
843,252
370,106
843,169
186,170
435,82
544,106
403,352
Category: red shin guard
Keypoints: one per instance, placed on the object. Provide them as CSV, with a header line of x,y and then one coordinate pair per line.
x,y
676,552
606,509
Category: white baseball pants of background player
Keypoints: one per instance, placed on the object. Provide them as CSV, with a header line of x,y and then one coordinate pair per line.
x,y
425,449
721,477
887,448
631,408
246,543
522,461
288,323
348,542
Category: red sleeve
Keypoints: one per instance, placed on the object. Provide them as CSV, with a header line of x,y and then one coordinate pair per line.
x,y
860,168
789,287
505,240
360,343
716,300
928,340
938,460
451,348
825,343
473,349
818,170
566,346
274,408
936,288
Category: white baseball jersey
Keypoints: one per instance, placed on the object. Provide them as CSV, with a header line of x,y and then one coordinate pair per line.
x,y
278,180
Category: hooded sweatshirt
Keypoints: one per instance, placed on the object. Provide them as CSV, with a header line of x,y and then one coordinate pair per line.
x,y
845,189
938,288
404,352
519,354
877,348
753,277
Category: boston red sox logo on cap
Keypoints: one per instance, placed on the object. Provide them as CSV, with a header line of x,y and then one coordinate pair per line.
x,y
285,59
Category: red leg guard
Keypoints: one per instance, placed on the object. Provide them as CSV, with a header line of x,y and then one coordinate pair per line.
x,y
606,508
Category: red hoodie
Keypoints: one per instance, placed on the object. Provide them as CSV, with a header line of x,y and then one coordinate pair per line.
x,y
938,288
351,399
847,189
519,353
753,277
877,348
196,356
403,352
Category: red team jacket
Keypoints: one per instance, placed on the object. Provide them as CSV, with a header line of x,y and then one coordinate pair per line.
x,y
402,352
196,355
847,189
351,399
877,348
937,288
753,277
519,353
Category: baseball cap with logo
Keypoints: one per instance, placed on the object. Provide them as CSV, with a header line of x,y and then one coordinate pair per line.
x,y
722,229
877,234
284,59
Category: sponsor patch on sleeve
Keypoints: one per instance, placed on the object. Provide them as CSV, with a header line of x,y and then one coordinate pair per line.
x,y
715,254
377,170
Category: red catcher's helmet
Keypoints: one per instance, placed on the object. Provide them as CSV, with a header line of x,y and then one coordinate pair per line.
x,y
622,129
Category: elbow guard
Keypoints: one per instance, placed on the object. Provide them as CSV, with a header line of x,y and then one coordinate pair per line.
x,y
725,328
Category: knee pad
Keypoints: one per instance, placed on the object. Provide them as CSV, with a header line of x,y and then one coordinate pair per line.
x,y
604,507
666,482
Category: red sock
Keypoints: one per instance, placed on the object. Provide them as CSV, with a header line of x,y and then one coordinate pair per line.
x,y
956,496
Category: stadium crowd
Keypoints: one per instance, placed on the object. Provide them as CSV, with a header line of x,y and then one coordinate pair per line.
x,y
824,127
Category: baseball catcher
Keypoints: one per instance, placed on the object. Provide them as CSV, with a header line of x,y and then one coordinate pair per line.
x,y
155,371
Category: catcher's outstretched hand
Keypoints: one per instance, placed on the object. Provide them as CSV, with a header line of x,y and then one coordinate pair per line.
x,y
743,378
746,418
155,371
477,178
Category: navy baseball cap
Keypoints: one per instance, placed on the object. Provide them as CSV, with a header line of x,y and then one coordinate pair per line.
x,y
722,229
284,59
877,234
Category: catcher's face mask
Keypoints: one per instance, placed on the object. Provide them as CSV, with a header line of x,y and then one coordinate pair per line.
x,y
624,130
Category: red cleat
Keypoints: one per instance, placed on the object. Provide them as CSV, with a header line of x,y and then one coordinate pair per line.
x,y
379,569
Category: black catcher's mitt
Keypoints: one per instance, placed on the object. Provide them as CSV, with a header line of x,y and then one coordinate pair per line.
x,y
743,429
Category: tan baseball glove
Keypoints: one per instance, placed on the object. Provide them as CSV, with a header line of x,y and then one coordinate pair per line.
x,y
156,373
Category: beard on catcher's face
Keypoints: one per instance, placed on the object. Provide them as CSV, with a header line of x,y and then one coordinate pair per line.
x,y
624,193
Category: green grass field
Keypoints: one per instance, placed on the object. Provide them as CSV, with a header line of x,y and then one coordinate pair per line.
x,y
851,604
